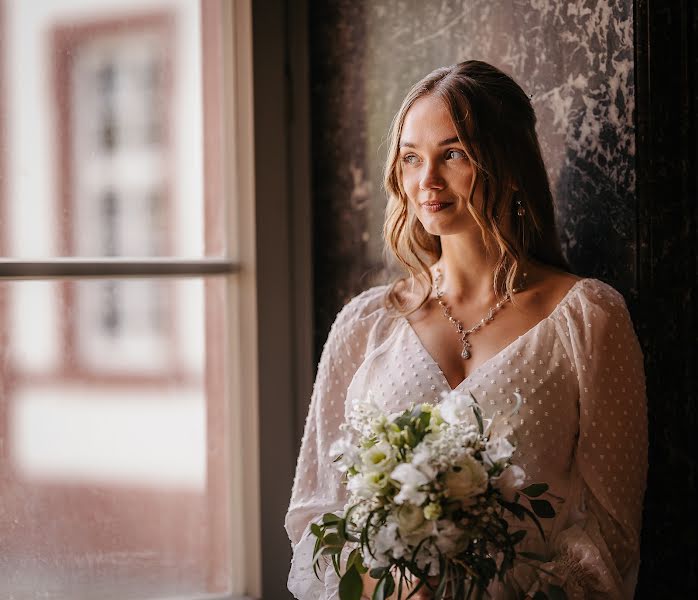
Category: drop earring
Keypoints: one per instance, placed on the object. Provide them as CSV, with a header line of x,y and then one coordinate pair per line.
x,y
521,211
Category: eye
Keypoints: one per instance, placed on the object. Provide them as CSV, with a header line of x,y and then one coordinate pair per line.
x,y
410,159
455,154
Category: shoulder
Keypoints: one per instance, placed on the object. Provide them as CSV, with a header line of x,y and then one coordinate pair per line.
x,y
366,307
595,311
594,294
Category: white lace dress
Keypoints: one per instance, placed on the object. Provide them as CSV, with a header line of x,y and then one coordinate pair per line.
x,y
582,429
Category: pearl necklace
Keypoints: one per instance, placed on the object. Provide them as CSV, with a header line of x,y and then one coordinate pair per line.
x,y
464,333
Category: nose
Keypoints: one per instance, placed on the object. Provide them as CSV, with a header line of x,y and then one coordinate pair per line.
x,y
431,178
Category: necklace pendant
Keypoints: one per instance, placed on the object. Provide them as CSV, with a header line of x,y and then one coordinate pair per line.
x,y
465,353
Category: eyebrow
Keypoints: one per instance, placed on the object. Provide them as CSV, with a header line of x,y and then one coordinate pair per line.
x,y
453,140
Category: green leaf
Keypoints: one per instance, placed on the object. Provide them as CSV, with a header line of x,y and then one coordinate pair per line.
x,y
330,519
385,587
316,530
351,558
535,489
517,536
520,511
516,509
333,539
556,593
543,509
350,585
478,416
441,588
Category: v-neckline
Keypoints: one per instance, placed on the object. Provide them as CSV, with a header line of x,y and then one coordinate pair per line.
x,y
565,298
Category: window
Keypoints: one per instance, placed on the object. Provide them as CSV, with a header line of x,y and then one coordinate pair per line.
x,y
127,461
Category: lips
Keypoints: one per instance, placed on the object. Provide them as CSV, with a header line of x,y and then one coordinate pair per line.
x,y
436,206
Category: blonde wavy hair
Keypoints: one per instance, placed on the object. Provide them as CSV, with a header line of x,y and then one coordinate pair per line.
x,y
495,123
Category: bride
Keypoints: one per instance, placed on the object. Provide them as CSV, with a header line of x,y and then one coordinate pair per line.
x,y
488,305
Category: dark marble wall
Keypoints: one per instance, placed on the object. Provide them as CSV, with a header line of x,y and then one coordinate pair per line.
x,y
576,59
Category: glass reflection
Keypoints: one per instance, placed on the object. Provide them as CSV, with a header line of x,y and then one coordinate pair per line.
x,y
112,467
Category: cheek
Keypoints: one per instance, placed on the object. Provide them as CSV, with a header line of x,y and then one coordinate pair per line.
x,y
410,182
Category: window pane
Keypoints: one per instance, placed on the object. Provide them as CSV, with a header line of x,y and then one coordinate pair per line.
x,y
114,479
110,142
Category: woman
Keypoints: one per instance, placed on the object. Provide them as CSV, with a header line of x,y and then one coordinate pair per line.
x,y
489,306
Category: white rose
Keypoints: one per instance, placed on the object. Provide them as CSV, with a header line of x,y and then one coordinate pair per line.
x,y
468,481
409,518
509,481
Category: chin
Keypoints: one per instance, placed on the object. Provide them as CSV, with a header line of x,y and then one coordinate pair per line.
x,y
443,228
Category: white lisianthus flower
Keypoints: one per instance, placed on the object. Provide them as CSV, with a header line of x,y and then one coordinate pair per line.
x,y
410,479
348,451
422,456
509,481
468,481
498,450
366,485
379,457
457,408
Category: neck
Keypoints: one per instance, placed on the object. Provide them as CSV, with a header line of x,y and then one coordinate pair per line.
x,y
467,271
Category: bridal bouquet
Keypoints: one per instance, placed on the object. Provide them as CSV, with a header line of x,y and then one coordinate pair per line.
x,y
429,491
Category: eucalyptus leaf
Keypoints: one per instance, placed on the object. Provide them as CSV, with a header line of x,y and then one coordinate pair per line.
x,y
518,511
535,489
543,508
329,518
316,530
350,585
517,536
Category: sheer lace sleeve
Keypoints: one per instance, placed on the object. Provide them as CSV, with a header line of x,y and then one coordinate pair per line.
x,y
317,486
597,555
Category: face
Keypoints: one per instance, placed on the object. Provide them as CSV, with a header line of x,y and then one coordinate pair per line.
x,y
436,173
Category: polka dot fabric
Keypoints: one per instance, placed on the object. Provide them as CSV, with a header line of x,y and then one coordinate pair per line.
x,y
582,428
